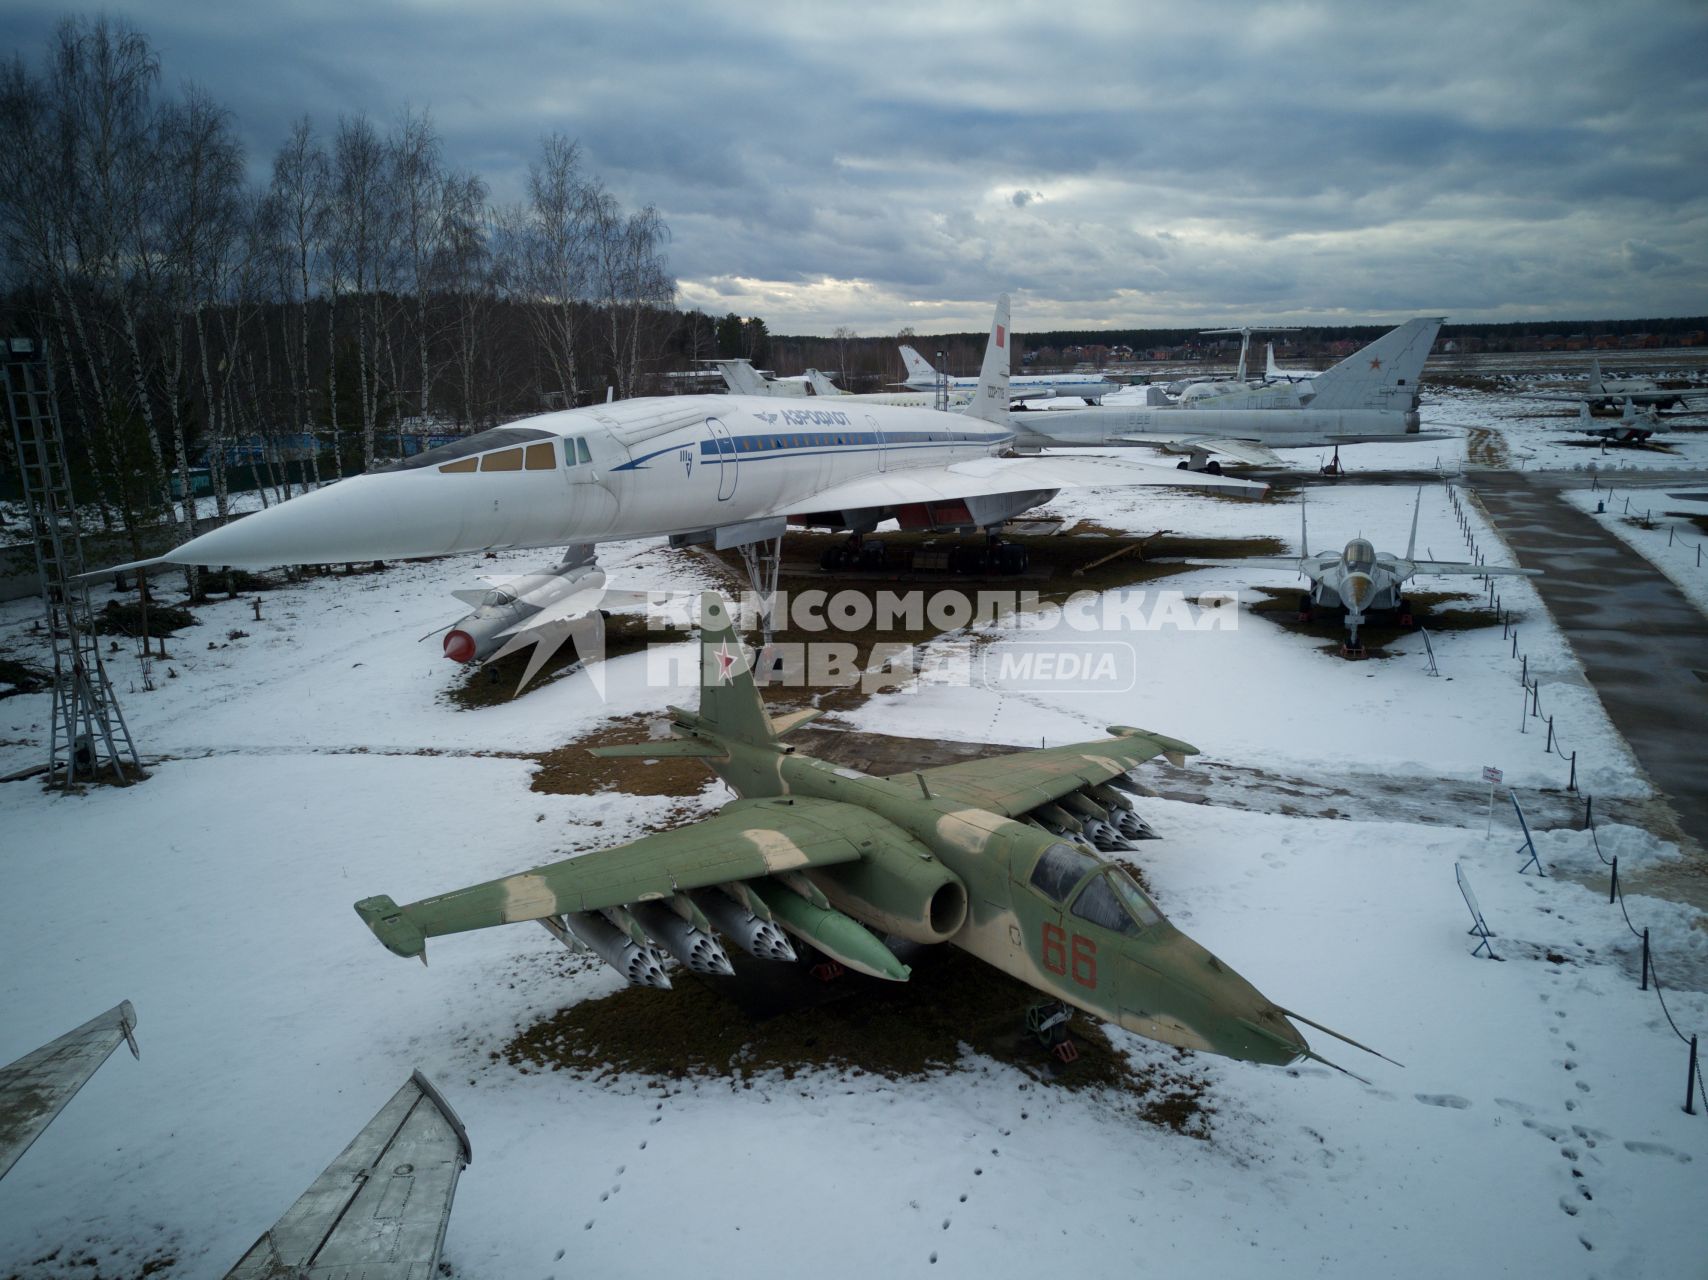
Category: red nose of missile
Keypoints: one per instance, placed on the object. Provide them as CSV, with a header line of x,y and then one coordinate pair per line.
x,y
459,646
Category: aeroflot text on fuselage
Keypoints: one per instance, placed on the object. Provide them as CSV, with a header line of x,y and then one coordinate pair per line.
x,y
811,418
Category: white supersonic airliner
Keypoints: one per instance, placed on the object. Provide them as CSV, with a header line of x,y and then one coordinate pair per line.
x,y
729,471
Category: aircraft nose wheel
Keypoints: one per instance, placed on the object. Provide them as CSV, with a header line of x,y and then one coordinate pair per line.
x,y
1049,1024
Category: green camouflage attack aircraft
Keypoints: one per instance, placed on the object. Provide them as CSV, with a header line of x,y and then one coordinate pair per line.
x,y
964,854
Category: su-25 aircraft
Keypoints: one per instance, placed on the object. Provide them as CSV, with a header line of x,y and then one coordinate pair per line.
x,y
729,471
1090,387
1362,581
1369,396
832,857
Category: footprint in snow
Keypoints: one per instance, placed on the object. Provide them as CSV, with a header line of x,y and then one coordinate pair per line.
x,y
1656,1149
1443,1100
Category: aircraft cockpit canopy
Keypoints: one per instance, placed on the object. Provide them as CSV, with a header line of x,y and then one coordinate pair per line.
x,y
467,449
1107,897
1359,555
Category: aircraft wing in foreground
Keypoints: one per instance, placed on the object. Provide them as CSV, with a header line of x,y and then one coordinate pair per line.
x,y
35,1088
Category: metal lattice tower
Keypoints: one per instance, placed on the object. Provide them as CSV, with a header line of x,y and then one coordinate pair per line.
x,y
89,730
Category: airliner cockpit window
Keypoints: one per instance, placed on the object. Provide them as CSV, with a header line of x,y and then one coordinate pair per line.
x,y
480,442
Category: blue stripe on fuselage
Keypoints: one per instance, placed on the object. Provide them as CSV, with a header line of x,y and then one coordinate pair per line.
x,y
805,444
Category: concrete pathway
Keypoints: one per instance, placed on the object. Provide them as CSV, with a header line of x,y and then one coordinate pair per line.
x,y
1642,644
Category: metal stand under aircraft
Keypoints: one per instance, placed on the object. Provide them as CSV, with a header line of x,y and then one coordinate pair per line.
x,y
35,1088
379,1211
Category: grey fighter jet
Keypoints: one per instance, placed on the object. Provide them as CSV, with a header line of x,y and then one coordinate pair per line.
x,y
1363,581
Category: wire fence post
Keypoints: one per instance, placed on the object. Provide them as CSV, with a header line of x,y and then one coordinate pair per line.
x,y
1524,710
1572,782
1536,699
1524,671
1690,1082
1550,744
1644,984
1613,882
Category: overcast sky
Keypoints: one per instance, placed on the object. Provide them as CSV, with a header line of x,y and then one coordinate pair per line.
x,y
1111,165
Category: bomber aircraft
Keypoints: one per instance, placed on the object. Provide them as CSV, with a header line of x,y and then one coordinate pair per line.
x,y
999,857
729,471
1602,392
1361,581
1369,396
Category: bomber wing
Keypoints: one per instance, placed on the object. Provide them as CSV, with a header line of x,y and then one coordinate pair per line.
x,y
1247,451
745,840
981,477
35,1088
1014,785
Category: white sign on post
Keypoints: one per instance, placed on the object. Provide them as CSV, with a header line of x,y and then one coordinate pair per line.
x,y
1492,776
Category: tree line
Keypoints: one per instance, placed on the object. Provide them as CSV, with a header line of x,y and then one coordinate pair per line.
x,y
366,285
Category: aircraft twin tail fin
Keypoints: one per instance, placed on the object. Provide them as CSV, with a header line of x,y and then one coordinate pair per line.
x,y
1594,388
1383,375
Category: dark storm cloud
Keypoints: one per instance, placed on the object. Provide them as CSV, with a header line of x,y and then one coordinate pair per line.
x,y
881,165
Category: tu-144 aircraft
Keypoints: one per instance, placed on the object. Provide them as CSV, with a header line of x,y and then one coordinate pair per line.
x,y
728,471
999,857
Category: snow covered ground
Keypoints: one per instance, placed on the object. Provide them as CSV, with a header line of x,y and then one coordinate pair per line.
x,y
1535,1129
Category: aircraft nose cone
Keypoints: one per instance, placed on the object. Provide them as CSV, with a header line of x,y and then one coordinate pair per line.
x,y
459,646
1358,589
381,516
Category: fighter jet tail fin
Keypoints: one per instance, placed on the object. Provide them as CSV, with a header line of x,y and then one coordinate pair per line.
x,y
990,397
918,367
1594,387
730,705
1411,544
1304,539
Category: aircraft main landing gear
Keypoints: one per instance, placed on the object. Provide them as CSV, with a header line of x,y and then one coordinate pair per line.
x,y
1049,1024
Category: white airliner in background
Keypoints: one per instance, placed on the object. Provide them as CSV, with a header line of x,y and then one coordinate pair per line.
x,y
1090,387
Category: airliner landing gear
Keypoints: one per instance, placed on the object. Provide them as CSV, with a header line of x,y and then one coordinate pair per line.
x,y
763,561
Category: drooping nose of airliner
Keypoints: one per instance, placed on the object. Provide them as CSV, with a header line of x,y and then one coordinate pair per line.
x,y
382,516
